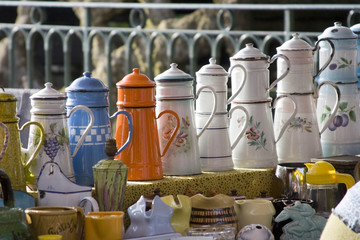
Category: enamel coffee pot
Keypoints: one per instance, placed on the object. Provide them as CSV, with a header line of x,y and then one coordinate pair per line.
x,y
256,82
343,135
356,30
257,148
16,158
174,90
48,108
92,93
215,146
301,140
300,78
136,95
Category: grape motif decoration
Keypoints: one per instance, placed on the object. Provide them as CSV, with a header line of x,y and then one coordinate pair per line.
x,y
344,115
342,63
54,140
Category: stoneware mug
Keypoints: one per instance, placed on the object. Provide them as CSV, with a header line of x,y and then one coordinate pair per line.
x,y
65,221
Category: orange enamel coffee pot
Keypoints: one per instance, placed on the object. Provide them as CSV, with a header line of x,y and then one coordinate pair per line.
x,y
136,95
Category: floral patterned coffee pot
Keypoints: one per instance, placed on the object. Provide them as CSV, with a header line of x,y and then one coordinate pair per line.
x,y
48,108
174,90
16,158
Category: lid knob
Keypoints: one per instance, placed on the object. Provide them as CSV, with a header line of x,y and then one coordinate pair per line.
x,y
110,148
337,24
173,65
212,61
87,74
296,35
250,45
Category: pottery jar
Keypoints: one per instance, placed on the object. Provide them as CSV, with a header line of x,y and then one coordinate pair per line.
x,y
48,108
300,78
256,87
136,96
343,66
16,158
174,90
105,225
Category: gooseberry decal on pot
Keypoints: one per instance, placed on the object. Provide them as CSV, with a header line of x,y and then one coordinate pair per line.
x,y
342,118
339,64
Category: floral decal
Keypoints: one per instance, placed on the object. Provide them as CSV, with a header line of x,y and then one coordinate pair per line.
x,y
254,135
300,124
342,117
342,63
181,140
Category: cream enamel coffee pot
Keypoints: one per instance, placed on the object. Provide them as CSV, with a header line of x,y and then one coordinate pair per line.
x,y
16,160
300,78
301,140
174,90
48,108
257,148
215,146
256,82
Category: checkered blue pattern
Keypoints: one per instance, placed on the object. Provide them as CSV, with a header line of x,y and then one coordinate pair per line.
x,y
96,136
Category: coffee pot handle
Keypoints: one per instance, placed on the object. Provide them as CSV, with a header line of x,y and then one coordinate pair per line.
x,y
213,111
245,125
337,103
6,140
286,59
130,123
7,190
88,128
347,179
39,144
290,118
173,134
80,222
330,57
242,82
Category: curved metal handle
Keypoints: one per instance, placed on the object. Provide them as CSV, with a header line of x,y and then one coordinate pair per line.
x,y
237,139
332,53
42,135
290,118
80,219
337,103
130,123
286,59
242,83
213,111
174,132
6,139
88,128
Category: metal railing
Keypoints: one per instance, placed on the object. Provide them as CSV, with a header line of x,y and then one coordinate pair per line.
x,y
264,40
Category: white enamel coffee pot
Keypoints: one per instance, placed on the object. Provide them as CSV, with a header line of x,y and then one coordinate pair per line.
x,y
300,78
256,84
301,140
257,148
215,146
174,90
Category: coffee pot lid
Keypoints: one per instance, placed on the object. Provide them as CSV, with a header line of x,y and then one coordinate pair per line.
x,y
323,172
110,164
48,93
212,69
295,43
173,74
87,84
337,32
135,80
250,53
